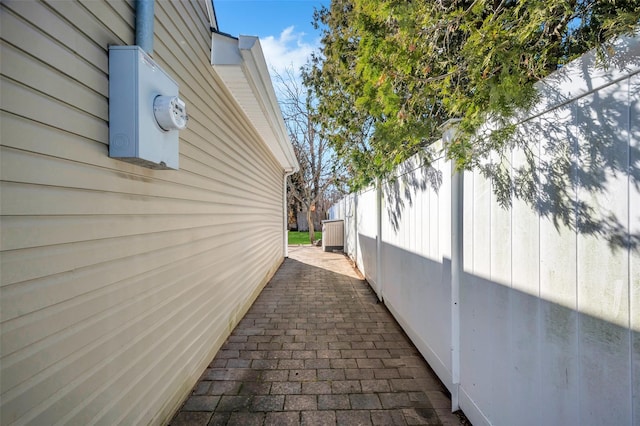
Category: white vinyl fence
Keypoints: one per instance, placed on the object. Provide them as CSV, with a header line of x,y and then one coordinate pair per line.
x,y
540,322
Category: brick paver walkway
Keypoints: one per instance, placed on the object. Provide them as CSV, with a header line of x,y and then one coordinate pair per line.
x,y
316,349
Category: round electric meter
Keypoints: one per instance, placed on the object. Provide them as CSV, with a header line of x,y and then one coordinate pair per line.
x,y
170,112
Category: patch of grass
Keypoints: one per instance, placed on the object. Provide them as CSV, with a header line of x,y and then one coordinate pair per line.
x,y
295,237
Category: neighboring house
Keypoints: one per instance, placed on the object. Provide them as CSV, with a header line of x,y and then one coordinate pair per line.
x,y
119,283
303,224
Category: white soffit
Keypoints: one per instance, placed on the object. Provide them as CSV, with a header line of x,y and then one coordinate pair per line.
x,y
240,64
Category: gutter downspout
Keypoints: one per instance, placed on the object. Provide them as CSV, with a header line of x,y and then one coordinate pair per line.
x,y
144,25
287,173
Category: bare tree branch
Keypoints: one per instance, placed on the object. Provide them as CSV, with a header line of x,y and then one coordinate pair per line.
x,y
316,175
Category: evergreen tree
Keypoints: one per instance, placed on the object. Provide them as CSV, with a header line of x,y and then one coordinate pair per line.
x,y
392,72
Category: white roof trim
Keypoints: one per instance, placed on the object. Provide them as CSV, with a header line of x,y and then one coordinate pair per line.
x,y
240,64
211,13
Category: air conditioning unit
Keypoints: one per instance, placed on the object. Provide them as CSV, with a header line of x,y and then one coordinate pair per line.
x,y
332,235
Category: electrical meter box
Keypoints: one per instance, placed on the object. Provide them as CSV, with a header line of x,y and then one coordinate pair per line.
x,y
145,112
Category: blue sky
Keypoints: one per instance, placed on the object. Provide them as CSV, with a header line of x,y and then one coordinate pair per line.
x,y
284,27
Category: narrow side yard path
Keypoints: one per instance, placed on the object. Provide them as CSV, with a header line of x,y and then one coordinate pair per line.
x,y
316,349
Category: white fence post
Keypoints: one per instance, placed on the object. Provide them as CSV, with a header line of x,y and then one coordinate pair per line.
x,y
379,238
355,227
457,188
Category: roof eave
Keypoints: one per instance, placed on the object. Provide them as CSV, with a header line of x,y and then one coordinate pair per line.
x,y
241,65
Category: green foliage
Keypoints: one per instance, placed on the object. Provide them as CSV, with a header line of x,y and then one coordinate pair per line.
x,y
392,72
298,237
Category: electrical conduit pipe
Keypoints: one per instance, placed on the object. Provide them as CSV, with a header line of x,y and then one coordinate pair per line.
x,y
144,25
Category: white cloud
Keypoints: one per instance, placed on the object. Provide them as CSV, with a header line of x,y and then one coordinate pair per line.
x,y
288,50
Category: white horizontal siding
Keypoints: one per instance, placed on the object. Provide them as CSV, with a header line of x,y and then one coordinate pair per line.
x,y
119,283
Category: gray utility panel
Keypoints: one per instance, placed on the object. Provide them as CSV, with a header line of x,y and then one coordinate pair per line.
x,y
137,133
